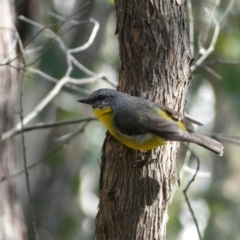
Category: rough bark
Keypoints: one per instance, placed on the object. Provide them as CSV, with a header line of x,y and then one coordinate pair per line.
x,y
11,225
155,64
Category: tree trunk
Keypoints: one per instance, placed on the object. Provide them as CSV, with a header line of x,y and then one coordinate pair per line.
x,y
155,64
11,225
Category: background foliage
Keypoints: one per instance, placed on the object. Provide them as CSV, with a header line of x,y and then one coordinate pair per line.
x,y
64,185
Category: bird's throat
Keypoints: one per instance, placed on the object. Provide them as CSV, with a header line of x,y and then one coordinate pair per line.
x,y
104,115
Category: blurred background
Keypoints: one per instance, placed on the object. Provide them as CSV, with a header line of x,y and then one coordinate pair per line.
x,y
64,185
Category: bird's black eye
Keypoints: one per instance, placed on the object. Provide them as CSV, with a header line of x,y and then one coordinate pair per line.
x,y
101,97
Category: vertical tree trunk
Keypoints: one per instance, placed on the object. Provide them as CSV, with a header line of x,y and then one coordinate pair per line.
x,y
11,226
155,59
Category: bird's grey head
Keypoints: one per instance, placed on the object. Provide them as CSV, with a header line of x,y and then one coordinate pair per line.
x,y
101,98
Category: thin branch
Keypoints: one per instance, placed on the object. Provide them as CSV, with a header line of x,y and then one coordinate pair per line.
x,y
33,50
53,124
92,80
43,29
42,74
203,36
37,34
186,168
24,146
82,81
57,88
61,18
81,67
47,31
37,109
229,7
90,40
193,171
89,72
210,49
68,136
221,61
215,74
187,200
185,163
71,21
205,32
31,166
80,12
55,80
69,57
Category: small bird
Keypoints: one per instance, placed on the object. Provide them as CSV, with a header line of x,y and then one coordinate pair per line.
x,y
141,124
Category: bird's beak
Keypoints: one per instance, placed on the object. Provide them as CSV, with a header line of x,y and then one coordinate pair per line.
x,y
86,101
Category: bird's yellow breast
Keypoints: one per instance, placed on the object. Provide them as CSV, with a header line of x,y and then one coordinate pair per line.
x,y
104,115
141,142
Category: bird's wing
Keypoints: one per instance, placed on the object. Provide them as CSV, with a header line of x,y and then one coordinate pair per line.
x,y
178,115
164,127
133,123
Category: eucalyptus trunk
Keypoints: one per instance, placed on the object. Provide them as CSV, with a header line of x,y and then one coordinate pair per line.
x,y
155,64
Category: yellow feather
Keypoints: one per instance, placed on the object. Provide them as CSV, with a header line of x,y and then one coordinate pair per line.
x,y
166,115
146,143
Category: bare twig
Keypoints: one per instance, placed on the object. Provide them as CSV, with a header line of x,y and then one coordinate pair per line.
x,y
204,34
81,67
79,12
92,79
69,136
186,168
229,7
73,22
210,49
42,74
24,146
42,29
53,124
29,167
82,81
22,67
16,57
187,200
221,61
55,80
193,171
185,163
56,89
37,109
33,50
90,40
211,71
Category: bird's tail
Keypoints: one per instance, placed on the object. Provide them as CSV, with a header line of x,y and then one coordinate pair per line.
x,y
203,140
